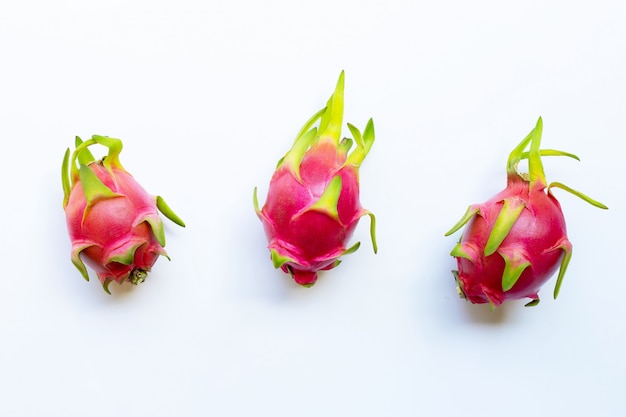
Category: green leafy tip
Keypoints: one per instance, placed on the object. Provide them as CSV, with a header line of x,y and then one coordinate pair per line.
x,y
332,119
566,246
95,190
510,212
327,203
535,166
279,260
536,174
65,178
364,143
168,212
577,194
372,229
471,211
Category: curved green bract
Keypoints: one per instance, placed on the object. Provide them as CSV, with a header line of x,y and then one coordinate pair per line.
x,y
372,228
115,148
551,152
65,179
85,156
293,158
309,123
279,260
126,253
327,203
363,143
577,194
458,251
567,256
168,212
535,166
94,189
514,264
351,249
105,285
255,202
532,303
516,155
157,227
77,248
510,212
112,159
471,211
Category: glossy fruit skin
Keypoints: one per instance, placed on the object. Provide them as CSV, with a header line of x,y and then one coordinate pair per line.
x,y
313,206
539,236
113,223
514,242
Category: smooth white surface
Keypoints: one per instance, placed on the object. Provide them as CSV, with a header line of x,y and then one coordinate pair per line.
x,y
207,96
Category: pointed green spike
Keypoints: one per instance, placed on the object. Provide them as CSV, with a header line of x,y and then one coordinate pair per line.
x,y
168,212
577,194
471,211
516,155
459,251
94,189
293,158
368,135
309,124
65,178
330,124
77,261
510,212
535,166
551,152
532,303
364,143
279,260
85,156
105,285
255,201
567,256
351,249
356,134
327,203
515,263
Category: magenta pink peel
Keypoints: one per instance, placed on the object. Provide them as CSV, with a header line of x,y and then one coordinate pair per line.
x,y
113,223
514,242
312,206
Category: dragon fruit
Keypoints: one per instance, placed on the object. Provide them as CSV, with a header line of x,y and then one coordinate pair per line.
x,y
312,206
514,242
112,221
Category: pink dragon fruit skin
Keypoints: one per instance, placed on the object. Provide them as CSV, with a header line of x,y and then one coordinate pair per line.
x,y
112,221
514,242
312,206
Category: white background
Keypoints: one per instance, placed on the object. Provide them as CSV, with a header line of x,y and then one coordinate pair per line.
x,y
207,96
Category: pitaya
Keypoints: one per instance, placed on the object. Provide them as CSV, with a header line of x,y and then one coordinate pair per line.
x,y
515,241
112,221
312,205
